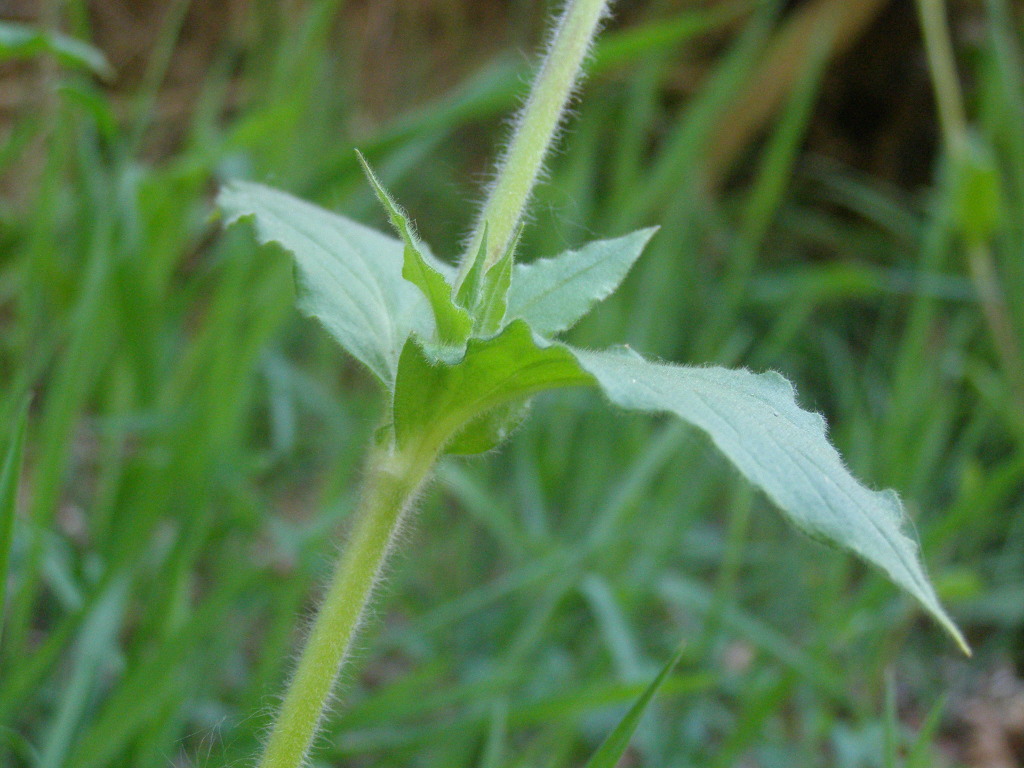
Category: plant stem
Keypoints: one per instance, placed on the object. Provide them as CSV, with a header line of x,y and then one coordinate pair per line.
x,y
536,128
394,478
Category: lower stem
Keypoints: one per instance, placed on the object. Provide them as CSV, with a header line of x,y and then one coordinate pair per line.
x,y
394,478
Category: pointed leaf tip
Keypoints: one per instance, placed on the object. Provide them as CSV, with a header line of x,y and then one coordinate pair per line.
x,y
467,293
492,303
453,324
554,294
755,421
614,747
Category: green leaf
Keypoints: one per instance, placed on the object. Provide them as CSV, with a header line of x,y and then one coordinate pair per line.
x,y
452,322
614,747
349,276
493,300
553,294
977,196
449,402
97,643
21,41
10,476
468,292
490,429
755,421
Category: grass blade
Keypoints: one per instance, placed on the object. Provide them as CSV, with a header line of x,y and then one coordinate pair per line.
x,y
611,751
9,476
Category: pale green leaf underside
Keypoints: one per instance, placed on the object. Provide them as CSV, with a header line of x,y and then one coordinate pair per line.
x,y
755,421
349,276
553,294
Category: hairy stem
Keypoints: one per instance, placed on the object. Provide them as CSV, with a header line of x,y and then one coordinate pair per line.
x,y
394,478
535,131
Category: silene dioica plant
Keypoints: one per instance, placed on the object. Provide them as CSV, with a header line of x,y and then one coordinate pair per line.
x,y
460,353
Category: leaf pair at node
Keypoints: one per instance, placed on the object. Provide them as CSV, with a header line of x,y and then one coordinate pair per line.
x,y
461,361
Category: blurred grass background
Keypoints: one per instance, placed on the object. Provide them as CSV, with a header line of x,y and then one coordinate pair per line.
x,y
193,446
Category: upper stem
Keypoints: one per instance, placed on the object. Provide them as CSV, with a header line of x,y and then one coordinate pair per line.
x,y
535,131
394,478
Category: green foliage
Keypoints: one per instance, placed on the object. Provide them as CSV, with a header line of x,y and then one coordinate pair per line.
x,y
554,294
467,293
753,419
196,445
349,276
454,401
491,305
614,747
10,479
21,41
978,202
452,322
